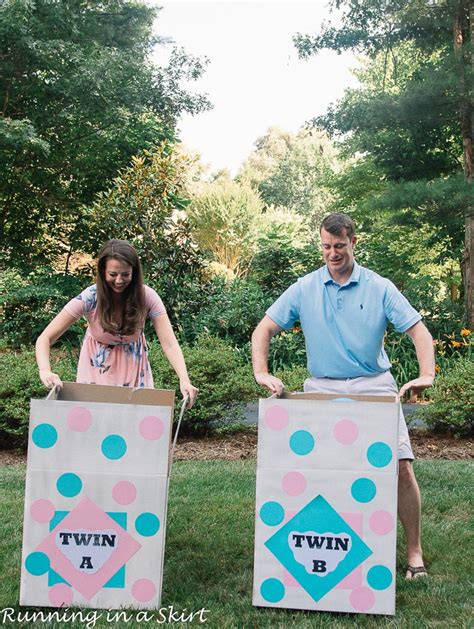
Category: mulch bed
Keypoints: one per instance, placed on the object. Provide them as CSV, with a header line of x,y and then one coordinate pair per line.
x,y
431,446
243,445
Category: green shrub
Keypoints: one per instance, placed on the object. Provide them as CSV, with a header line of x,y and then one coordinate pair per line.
x,y
293,378
278,264
287,350
402,355
224,378
452,406
19,383
27,305
230,311
448,350
225,381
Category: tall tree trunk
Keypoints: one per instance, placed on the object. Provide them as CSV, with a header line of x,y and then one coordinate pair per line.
x,y
463,33
468,270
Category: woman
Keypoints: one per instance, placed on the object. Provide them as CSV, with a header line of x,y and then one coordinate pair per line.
x,y
114,350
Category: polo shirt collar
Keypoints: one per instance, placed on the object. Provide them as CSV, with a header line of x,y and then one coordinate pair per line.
x,y
354,278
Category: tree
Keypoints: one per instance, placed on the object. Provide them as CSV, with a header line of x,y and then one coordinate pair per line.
x,y
78,97
291,170
417,126
225,220
145,205
286,251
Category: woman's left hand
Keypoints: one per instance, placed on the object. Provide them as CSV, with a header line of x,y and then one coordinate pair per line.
x,y
187,389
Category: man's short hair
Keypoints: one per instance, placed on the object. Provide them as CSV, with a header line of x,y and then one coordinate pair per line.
x,y
337,222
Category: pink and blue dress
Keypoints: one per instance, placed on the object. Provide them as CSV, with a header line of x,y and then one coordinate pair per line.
x,y
112,359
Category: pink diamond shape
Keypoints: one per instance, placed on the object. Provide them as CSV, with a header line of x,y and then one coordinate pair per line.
x,y
87,515
354,578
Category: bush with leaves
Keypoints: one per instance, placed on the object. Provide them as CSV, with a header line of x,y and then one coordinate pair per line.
x,y
28,303
224,379
225,220
293,377
229,310
19,383
278,263
452,406
287,350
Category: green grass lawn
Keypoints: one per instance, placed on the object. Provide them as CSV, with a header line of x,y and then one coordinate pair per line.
x,y
209,550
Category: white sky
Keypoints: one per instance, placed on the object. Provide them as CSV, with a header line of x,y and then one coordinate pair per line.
x,y
254,79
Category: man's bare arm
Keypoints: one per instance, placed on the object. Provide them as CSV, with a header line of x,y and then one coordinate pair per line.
x,y
423,342
261,338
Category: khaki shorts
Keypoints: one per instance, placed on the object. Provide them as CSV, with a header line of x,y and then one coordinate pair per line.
x,y
381,384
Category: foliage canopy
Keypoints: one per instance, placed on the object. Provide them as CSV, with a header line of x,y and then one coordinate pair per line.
x,y
79,95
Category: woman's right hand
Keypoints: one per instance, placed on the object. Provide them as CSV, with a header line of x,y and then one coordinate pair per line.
x,y
50,379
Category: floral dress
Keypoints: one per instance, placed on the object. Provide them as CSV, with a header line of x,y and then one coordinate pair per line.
x,y
112,359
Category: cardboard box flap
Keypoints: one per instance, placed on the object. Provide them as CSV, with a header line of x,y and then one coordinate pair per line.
x,y
75,392
332,396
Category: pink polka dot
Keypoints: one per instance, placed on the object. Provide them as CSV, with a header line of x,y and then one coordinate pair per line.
x,y
42,510
381,522
143,590
60,595
124,492
276,417
79,419
362,599
293,483
151,428
346,431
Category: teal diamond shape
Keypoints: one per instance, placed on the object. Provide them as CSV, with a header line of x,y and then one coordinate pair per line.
x,y
318,516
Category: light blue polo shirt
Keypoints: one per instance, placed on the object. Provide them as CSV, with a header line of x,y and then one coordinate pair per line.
x,y
344,326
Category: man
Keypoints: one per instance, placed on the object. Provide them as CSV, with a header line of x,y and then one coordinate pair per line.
x,y
344,310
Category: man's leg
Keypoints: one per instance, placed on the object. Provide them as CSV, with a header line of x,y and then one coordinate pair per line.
x,y
409,512
409,500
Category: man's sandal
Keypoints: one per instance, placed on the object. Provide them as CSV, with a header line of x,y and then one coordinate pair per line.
x,y
415,572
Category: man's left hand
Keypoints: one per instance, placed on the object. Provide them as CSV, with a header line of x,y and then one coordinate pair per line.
x,y
417,385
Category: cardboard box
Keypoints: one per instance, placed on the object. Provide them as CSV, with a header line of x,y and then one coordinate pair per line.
x,y
96,497
326,503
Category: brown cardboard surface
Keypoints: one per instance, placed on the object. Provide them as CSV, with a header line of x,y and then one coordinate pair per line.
x,y
73,391
332,396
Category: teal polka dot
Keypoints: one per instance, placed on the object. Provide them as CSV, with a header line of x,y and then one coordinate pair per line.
x,y
301,442
37,564
147,524
114,447
379,577
379,454
363,490
272,513
69,485
44,436
272,590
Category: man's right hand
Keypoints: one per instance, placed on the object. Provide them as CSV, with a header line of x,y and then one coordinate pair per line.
x,y
270,382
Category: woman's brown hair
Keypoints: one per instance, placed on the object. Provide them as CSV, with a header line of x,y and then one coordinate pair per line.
x,y
133,306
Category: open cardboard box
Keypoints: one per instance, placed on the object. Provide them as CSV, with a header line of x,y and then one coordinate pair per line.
x,y
326,503
96,497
